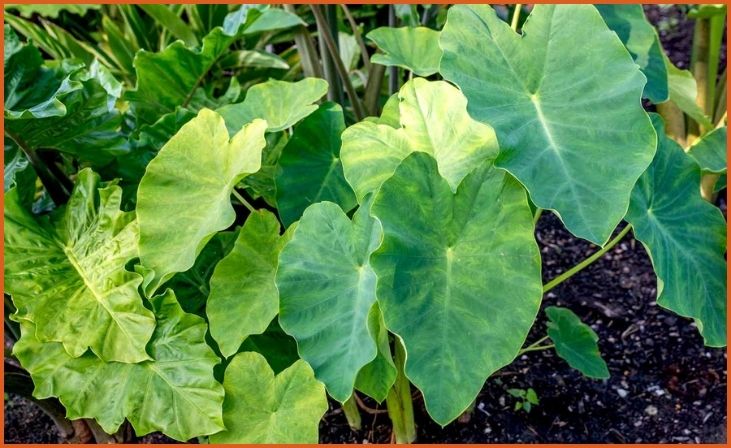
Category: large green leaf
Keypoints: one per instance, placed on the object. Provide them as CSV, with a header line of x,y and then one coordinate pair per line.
x,y
643,43
710,151
68,108
434,119
310,168
184,196
576,342
685,237
175,392
191,287
454,269
67,275
280,103
244,298
263,408
413,48
377,377
326,289
576,136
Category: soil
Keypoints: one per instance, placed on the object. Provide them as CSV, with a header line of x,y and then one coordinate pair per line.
x,y
665,386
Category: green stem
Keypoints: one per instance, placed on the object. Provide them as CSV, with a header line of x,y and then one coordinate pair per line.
x,y
516,17
537,216
243,201
579,267
399,404
538,342
699,68
536,348
352,413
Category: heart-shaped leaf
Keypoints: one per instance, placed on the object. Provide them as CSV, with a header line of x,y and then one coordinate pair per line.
x,y
310,169
576,342
685,237
175,392
413,48
244,298
434,119
326,290
282,104
263,408
188,185
575,136
68,276
459,277
643,43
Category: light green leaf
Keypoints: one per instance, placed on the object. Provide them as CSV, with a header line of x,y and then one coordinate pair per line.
x,y
643,43
244,297
310,168
576,342
349,50
280,103
459,277
67,275
175,392
685,237
252,59
553,110
683,92
377,377
710,151
263,408
413,48
191,287
326,289
191,179
434,119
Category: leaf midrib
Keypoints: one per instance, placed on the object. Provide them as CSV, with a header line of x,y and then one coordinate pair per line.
x,y
71,256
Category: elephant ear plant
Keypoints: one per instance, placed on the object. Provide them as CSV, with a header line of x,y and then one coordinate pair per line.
x,y
188,254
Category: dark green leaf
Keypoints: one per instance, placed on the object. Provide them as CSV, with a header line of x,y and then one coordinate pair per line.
x,y
575,342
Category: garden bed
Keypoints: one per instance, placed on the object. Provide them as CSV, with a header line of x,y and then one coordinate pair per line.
x,y
665,385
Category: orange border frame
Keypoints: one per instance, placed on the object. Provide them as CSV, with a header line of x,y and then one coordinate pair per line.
x,y
546,445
